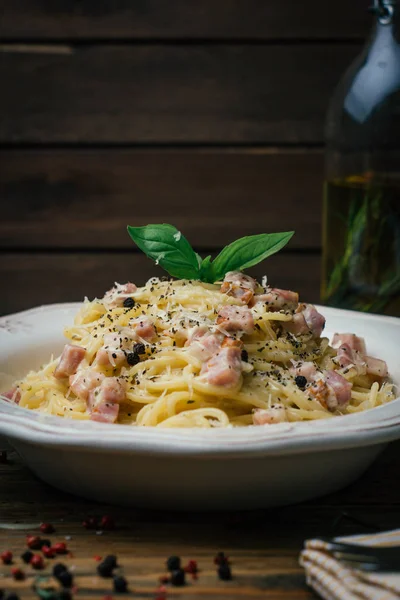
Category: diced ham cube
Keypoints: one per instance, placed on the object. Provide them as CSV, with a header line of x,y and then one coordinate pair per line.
x,y
239,286
304,369
14,395
238,319
83,382
225,368
376,367
203,344
104,401
306,319
277,299
145,330
70,360
116,296
112,353
332,390
270,416
347,357
353,341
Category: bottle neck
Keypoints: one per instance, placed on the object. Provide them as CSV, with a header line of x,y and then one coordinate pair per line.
x,y
388,17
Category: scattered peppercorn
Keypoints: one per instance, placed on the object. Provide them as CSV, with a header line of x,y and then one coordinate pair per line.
x,y
45,543
120,584
6,557
111,560
178,577
107,523
221,559
132,358
48,551
129,303
173,563
90,523
139,348
37,561
33,542
245,356
60,548
59,568
191,567
65,578
224,571
26,556
300,381
47,528
106,567
18,574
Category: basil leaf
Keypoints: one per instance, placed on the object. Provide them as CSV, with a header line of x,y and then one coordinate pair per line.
x,y
206,270
169,248
247,252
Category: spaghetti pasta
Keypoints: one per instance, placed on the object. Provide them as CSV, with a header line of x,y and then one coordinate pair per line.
x,y
180,353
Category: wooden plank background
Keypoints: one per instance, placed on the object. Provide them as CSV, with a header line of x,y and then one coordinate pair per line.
x,y
207,115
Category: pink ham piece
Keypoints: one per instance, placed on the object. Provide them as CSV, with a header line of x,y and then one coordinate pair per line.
x,y
238,319
353,341
347,357
14,395
376,368
83,382
239,286
225,368
70,360
116,296
351,350
111,353
104,401
277,299
306,319
203,344
332,390
270,416
145,330
304,369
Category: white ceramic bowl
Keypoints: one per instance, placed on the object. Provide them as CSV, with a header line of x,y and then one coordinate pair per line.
x,y
192,469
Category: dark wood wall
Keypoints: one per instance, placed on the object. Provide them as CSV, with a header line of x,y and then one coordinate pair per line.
x,y
205,114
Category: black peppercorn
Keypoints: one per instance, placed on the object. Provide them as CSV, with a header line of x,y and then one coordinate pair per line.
x,y
139,348
65,578
224,571
26,556
105,569
129,303
58,569
45,543
132,358
178,577
245,356
120,584
111,560
173,563
300,381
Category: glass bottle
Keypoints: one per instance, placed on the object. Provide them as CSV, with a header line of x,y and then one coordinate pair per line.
x,y
361,215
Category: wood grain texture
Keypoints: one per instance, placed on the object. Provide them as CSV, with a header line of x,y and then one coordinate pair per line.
x,y
168,94
44,278
85,198
249,19
263,545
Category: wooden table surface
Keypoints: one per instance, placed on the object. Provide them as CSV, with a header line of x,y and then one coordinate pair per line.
x,y
263,545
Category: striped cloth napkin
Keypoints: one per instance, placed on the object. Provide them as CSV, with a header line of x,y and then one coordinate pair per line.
x,y
333,581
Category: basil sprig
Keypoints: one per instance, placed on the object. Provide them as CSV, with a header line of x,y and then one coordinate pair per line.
x,y
172,251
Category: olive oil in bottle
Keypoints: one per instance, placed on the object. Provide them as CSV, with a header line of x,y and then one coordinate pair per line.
x,y
362,243
361,217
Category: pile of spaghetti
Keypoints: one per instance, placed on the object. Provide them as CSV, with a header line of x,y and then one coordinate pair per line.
x,y
180,353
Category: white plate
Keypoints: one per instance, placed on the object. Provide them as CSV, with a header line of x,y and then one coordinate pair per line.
x,y
192,469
